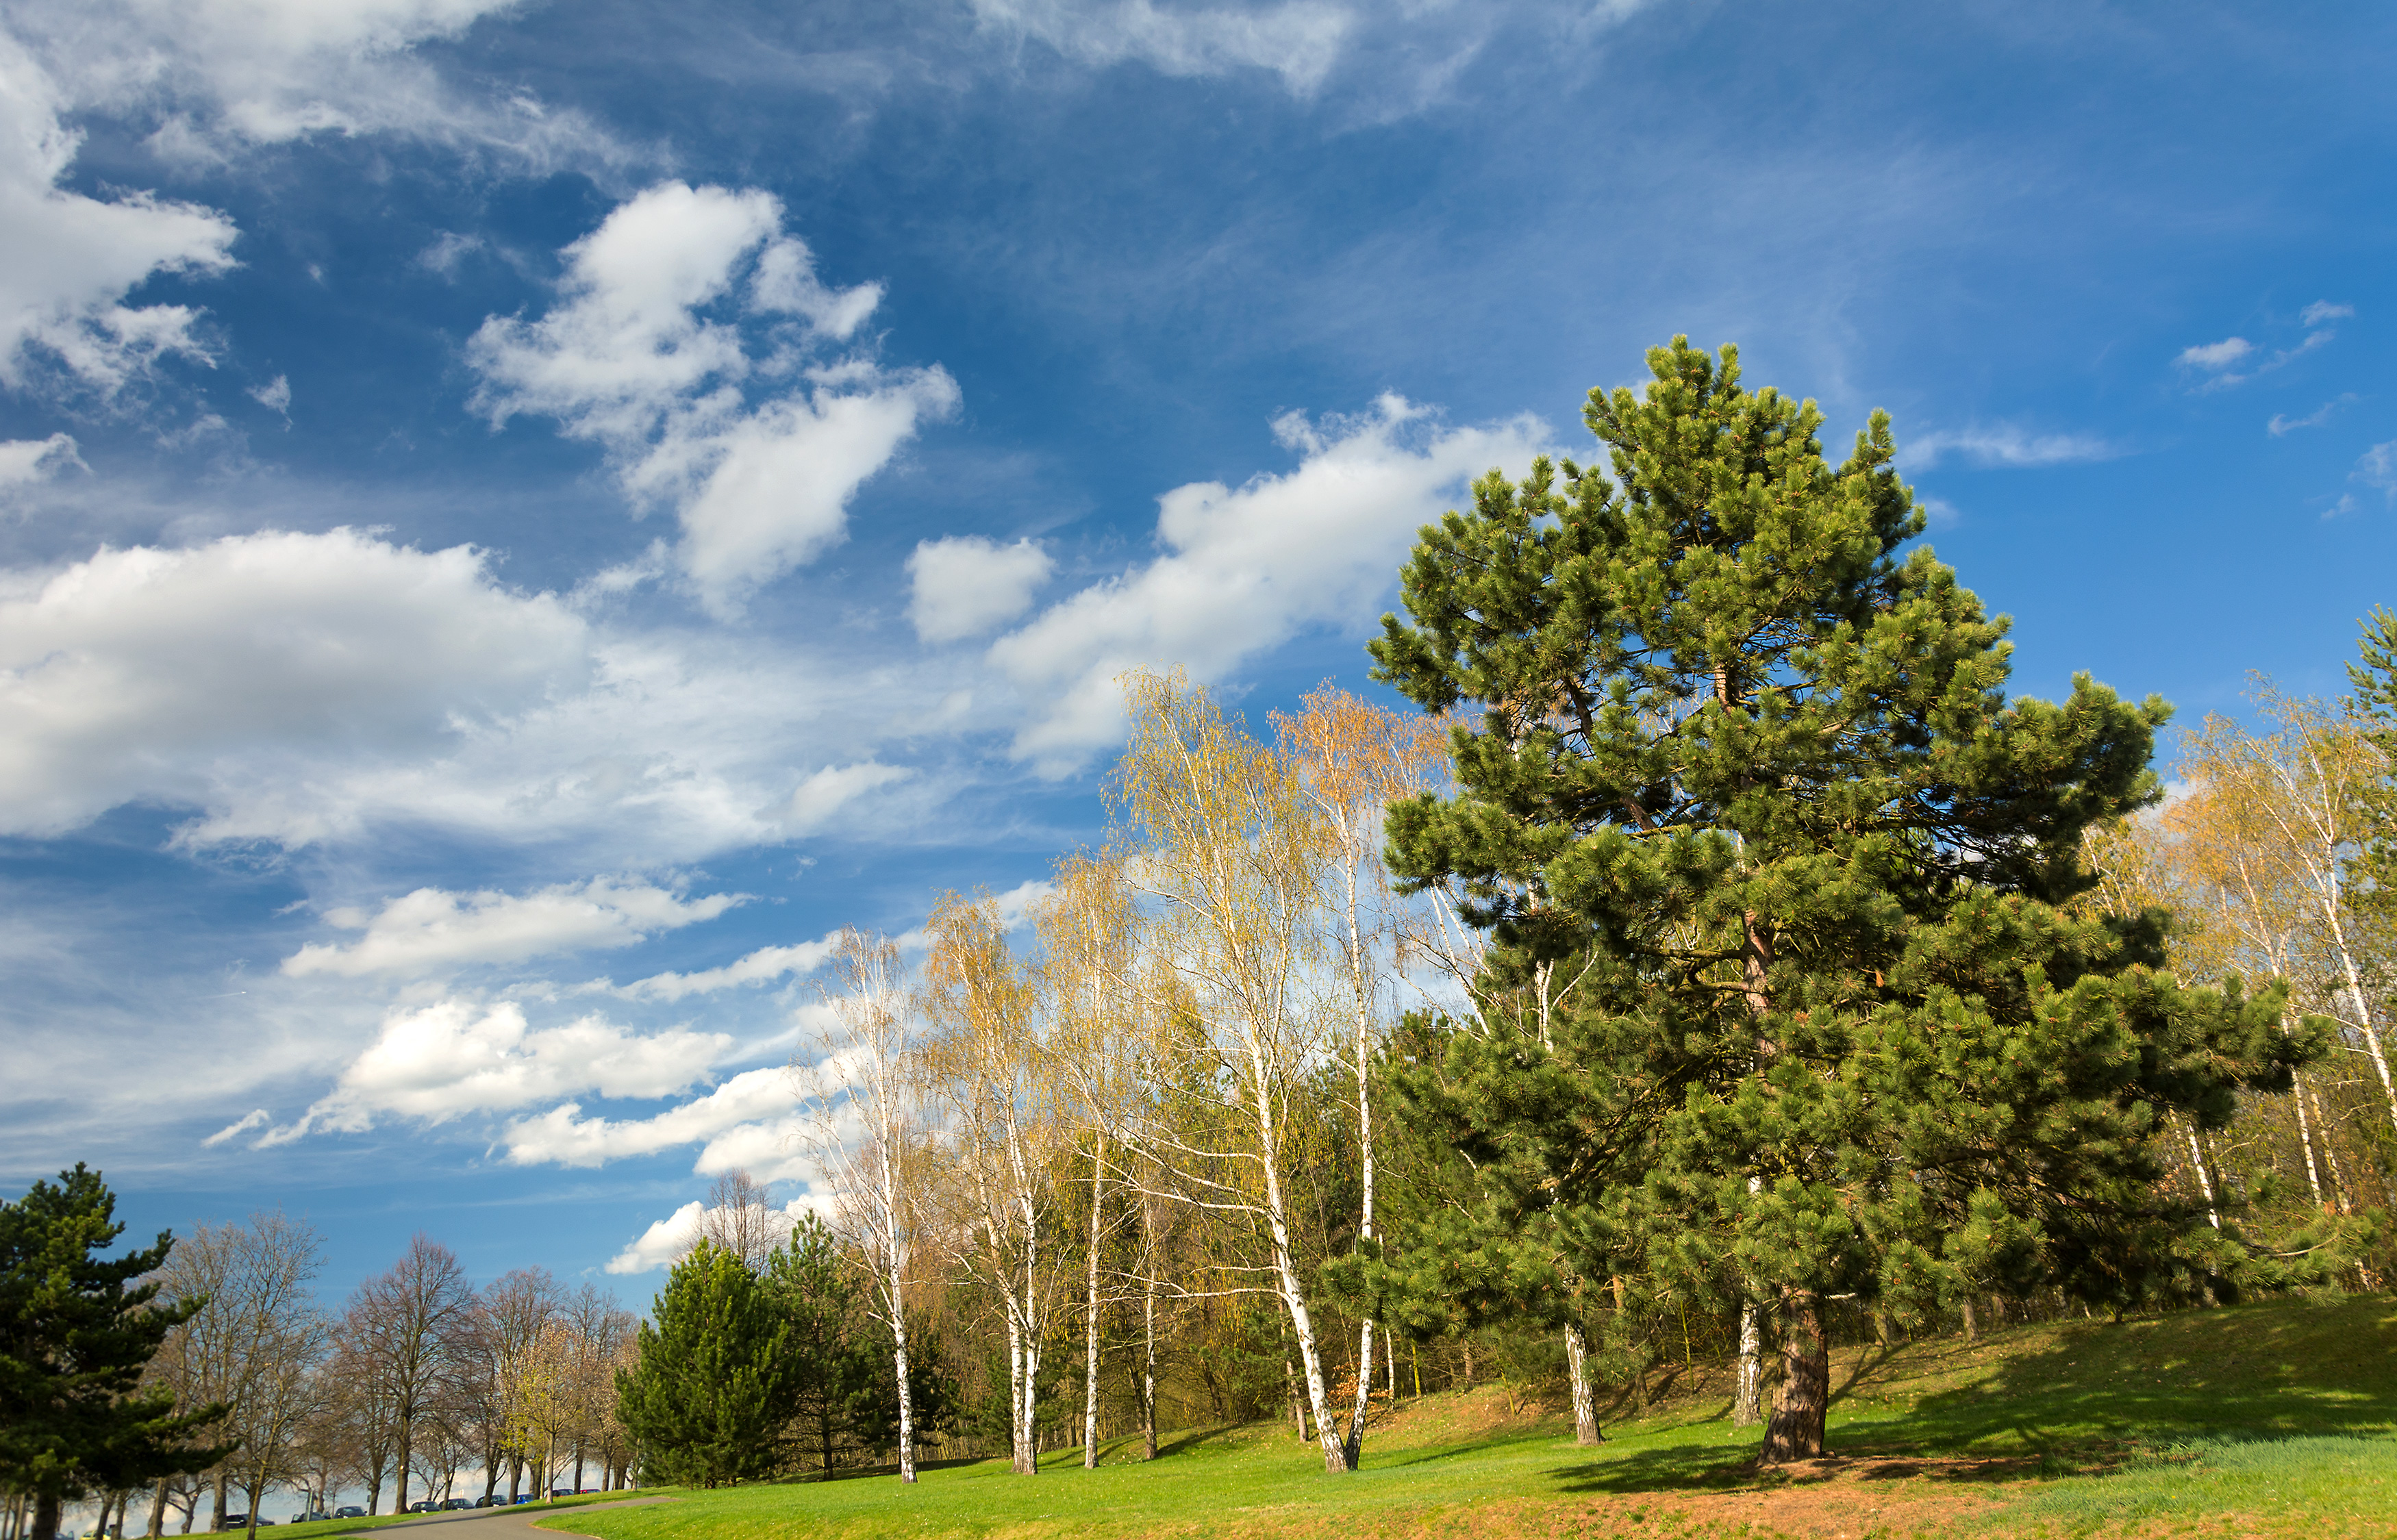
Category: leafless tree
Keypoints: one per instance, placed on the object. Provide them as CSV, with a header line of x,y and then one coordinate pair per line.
x,y
741,1217
411,1328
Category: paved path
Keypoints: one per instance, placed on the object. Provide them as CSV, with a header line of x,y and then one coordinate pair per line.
x,y
510,1522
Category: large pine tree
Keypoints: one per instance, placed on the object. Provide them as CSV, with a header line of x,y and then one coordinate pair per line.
x,y
76,1330
1740,771
715,1385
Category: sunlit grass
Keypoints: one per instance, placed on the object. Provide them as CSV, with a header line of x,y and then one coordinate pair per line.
x,y
2271,1418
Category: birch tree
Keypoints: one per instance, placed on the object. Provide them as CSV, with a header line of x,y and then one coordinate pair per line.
x,y
1229,853
1353,760
866,1130
986,1065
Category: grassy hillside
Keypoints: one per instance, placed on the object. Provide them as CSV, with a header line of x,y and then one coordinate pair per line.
x,y
2265,1419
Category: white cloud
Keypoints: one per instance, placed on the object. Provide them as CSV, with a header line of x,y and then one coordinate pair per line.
x,y
2319,311
632,360
220,75
2003,446
454,1057
665,1241
26,460
2280,424
1299,40
2377,468
1247,568
835,788
256,1118
275,396
763,966
430,929
965,585
563,1136
304,687
161,675
68,262
2215,355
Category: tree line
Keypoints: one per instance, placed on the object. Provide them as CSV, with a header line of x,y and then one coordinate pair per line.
x,y
211,1377
1719,958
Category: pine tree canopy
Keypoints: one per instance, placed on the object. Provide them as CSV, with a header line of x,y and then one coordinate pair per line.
x,y
708,1400
76,1330
1788,994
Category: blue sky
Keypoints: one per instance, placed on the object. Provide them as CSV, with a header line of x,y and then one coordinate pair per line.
x,y
519,519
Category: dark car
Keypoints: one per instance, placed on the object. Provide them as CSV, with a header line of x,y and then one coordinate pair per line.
x,y
561,1492
427,1505
491,1502
456,1503
349,1510
234,1521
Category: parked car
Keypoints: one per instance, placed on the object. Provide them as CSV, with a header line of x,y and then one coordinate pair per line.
x,y
310,1516
561,1492
426,1505
526,1498
349,1510
234,1521
491,1502
456,1503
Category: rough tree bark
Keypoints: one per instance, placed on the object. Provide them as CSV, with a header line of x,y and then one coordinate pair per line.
x,y
1584,1406
1804,1400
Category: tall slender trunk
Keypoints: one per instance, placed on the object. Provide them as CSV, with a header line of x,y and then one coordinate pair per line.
x,y
2330,1150
1585,1407
2205,1182
158,1511
1310,1359
1090,1313
1148,1375
217,1524
400,1478
1352,1449
1748,1401
1803,1404
906,1402
2306,1139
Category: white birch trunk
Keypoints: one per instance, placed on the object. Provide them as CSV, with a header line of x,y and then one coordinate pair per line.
x,y
1748,1402
1585,1407
1091,1315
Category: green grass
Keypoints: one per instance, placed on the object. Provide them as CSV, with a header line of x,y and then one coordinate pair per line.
x,y
2264,1419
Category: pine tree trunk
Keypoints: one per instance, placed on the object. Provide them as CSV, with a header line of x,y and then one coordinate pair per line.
x,y
1585,1407
1972,1327
224,1477
1747,1403
1091,1319
46,1515
158,1511
1803,1404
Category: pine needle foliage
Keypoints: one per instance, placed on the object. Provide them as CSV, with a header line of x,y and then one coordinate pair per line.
x,y
1777,879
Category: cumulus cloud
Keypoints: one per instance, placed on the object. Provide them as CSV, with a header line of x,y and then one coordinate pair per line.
x,y
301,687
430,929
24,461
275,396
456,1056
965,585
1245,568
563,1136
646,355
666,1240
763,966
2003,446
147,673
68,262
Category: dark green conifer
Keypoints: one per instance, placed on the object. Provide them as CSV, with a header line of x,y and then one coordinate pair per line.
x,y
707,1401
1747,800
75,1332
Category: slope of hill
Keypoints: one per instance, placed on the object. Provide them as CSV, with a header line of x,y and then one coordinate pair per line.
x,y
2263,1419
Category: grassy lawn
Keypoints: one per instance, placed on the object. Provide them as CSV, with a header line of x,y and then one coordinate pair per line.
x,y
2273,1419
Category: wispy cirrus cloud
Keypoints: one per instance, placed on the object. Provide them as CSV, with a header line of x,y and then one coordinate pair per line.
x,y
2235,360
2005,445
2282,424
